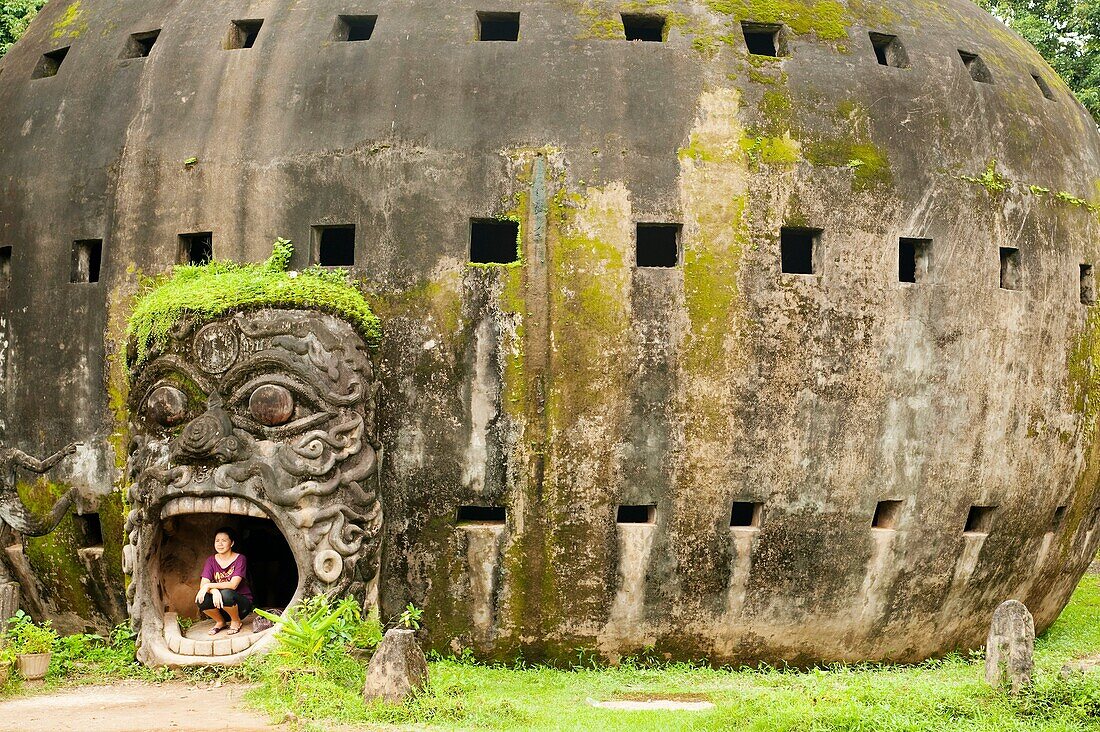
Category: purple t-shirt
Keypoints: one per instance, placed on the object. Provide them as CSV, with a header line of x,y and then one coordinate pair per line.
x,y
237,568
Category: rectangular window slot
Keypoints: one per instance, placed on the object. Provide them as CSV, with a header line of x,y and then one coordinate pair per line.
x,y
644,514
354,27
140,45
497,26
889,51
85,260
764,39
1043,86
887,515
5,265
642,27
979,520
90,528
977,68
334,246
243,33
798,250
746,514
1059,516
50,63
914,260
657,245
483,515
494,241
196,248
1010,268
1088,285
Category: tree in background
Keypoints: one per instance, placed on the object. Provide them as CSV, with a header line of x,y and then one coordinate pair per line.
x,y
1067,33
15,16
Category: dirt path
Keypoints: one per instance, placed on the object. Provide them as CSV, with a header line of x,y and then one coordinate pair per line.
x,y
133,707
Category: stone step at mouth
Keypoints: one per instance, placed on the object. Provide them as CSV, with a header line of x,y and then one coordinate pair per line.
x,y
211,504
197,643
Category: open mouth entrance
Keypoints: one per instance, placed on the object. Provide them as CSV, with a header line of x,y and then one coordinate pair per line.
x,y
186,541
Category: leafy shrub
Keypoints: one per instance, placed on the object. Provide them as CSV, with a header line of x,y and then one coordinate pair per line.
x,y
316,627
25,636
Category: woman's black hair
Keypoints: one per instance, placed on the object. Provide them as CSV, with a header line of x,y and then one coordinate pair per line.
x,y
228,532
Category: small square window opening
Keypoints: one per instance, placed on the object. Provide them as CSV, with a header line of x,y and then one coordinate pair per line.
x,y
481,515
887,515
979,520
494,241
746,514
140,45
976,66
889,51
50,63
5,265
657,245
1042,84
90,528
85,260
1059,516
334,246
798,249
764,39
354,27
243,33
1011,274
1088,285
643,27
914,260
638,514
196,248
497,26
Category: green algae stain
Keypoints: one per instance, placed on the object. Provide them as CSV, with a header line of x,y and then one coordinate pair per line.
x,y
869,164
54,557
71,23
827,19
780,150
1083,366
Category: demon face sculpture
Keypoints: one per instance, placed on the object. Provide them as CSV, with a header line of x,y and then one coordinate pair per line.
x,y
263,421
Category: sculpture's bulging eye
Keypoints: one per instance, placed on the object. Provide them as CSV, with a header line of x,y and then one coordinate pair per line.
x,y
271,405
166,405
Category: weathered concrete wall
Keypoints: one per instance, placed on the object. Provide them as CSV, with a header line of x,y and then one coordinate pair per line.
x,y
576,382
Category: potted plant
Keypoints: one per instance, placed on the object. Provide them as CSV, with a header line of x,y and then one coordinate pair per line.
x,y
32,644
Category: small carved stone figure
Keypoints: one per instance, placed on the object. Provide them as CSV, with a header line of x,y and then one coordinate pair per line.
x,y
13,512
1010,647
397,670
264,415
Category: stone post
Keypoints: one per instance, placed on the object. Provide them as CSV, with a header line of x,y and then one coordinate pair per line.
x,y
397,669
1010,647
9,602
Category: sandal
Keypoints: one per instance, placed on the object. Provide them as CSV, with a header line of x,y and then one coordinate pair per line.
x,y
216,629
234,631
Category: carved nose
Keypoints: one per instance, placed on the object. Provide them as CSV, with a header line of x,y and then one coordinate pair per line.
x,y
208,436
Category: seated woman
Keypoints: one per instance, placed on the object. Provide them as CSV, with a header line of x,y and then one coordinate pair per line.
x,y
224,593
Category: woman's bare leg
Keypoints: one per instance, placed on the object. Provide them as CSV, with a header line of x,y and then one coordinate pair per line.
x,y
234,617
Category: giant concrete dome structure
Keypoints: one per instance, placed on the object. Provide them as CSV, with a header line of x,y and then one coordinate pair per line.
x,y
737,330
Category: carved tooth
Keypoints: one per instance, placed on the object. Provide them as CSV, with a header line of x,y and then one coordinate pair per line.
x,y
186,505
187,647
254,510
238,507
221,504
241,643
223,647
174,642
202,505
166,510
204,648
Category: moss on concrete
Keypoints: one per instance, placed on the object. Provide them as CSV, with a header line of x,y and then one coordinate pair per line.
x,y
869,164
72,23
827,19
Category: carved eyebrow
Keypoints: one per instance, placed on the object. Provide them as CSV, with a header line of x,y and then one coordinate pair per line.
x,y
277,360
162,369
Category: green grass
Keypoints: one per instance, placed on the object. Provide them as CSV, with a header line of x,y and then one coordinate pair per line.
x,y
946,694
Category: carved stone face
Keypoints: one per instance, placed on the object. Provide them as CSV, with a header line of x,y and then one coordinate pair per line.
x,y
263,421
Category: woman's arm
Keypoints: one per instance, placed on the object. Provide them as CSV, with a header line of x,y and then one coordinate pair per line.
x,y
230,585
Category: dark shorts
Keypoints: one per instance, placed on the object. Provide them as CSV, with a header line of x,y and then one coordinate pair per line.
x,y
229,599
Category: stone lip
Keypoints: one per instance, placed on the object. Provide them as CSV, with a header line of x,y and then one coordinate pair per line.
x,y
397,670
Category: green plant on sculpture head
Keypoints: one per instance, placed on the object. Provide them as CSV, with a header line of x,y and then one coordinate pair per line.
x,y
26,637
410,617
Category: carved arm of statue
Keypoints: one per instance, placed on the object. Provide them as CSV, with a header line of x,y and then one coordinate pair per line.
x,y
12,509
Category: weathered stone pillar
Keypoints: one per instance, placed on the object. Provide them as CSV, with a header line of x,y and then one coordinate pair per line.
x,y
1009,649
397,670
9,602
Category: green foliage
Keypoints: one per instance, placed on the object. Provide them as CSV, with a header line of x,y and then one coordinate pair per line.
x,y
318,627
1066,33
410,617
208,291
26,636
15,16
